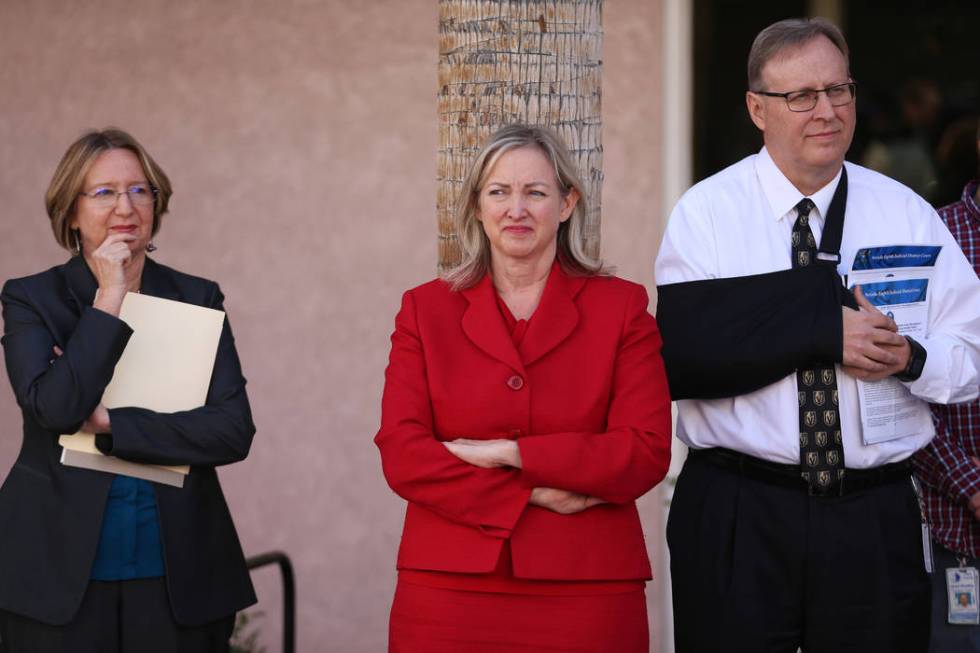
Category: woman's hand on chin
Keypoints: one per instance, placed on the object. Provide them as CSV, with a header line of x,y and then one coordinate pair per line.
x,y
110,263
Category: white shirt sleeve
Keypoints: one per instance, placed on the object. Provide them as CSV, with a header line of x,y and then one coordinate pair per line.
x,y
688,251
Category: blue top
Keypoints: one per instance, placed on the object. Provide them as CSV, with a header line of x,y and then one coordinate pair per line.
x,y
129,545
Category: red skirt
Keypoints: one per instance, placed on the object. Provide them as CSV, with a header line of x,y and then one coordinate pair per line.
x,y
438,620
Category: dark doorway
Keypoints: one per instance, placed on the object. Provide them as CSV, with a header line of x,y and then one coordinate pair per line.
x,y
917,65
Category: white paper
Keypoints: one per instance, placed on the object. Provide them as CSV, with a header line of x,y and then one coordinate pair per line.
x,y
167,364
888,409
112,465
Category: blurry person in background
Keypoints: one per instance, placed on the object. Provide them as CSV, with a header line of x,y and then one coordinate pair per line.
x,y
949,468
908,155
957,159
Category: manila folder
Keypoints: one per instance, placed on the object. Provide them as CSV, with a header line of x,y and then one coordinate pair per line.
x,y
166,367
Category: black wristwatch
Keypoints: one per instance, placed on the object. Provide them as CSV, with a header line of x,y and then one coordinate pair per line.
x,y
917,360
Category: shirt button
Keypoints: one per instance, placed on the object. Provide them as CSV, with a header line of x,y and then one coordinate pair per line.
x,y
515,382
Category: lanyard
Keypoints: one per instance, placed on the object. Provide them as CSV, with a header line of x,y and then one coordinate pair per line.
x,y
829,253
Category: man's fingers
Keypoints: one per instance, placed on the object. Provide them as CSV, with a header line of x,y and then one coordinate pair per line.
x,y
877,318
862,301
890,338
882,357
870,359
865,322
57,351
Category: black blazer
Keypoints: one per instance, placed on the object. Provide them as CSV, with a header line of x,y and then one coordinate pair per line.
x,y
51,514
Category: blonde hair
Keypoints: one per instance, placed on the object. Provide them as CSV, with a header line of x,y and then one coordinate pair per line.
x,y
473,240
69,178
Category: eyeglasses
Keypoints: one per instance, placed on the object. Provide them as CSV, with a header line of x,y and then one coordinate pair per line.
x,y
800,101
139,195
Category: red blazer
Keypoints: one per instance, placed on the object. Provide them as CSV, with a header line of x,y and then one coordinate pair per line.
x,y
585,395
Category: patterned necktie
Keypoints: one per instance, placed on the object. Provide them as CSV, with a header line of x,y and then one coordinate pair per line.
x,y
821,448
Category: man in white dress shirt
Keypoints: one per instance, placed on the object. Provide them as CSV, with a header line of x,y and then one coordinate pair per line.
x,y
789,528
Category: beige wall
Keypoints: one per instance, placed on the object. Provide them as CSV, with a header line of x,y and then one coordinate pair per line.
x,y
300,137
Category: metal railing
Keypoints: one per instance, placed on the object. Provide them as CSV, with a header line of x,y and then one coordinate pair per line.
x,y
288,593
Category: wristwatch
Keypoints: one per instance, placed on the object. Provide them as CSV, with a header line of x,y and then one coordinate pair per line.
x,y
917,360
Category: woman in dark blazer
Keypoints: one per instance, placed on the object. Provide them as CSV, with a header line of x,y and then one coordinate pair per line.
x,y
91,561
525,410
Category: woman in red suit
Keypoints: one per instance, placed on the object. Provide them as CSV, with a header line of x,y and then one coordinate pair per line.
x,y
525,410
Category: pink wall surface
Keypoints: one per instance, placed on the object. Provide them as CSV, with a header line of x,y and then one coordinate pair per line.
x,y
300,138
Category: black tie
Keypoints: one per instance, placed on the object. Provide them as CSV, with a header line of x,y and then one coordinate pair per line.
x,y
821,448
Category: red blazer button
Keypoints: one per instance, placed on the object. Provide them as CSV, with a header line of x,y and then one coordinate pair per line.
x,y
515,382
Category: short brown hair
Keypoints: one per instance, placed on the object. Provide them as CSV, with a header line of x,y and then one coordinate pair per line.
x,y
571,233
69,177
790,33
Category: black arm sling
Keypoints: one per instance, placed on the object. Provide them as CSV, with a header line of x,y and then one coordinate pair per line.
x,y
728,337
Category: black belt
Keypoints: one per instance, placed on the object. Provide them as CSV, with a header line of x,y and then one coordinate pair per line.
x,y
784,475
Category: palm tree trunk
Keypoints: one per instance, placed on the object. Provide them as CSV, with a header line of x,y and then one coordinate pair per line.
x,y
531,61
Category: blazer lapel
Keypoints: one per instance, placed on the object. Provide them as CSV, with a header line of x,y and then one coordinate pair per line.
x,y
81,283
484,325
157,282
555,317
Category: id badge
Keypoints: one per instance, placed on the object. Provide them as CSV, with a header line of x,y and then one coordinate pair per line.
x,y
962,588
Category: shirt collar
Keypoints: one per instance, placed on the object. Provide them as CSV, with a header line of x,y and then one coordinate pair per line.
x,y
780,192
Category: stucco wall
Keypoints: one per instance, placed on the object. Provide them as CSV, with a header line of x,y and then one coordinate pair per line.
x,y
300,137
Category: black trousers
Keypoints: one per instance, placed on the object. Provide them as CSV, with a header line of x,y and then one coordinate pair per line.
x,y
130,616
764,568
